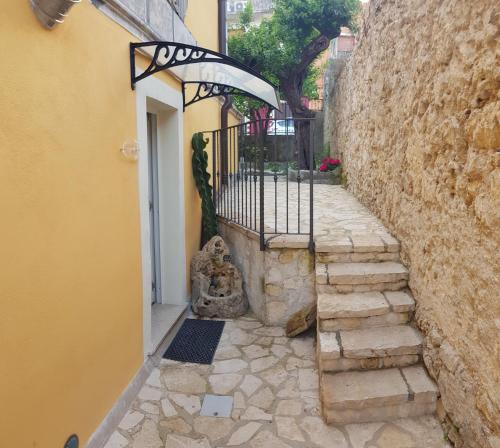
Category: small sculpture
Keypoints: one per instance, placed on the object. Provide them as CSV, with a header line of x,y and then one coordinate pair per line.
x,y
217,285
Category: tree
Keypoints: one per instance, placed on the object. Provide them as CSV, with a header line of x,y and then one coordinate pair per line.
x,y
285,46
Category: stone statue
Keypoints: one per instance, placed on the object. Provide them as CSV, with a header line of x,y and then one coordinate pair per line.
x,y
217,285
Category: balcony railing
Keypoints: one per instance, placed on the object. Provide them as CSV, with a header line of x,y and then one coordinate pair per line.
x,y
263,177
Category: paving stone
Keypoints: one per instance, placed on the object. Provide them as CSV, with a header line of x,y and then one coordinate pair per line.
x,y
150,408
116,441
213,427
154,378
227,352
148,436
281,341
190,403
255,351
400,301
391,436
308,379
149,394
289,390
275,375
262,399
250,384
421,385
266,439
366,273
280,351
185,380
260,364
289,407
130,420
224,383
361,304
270,331
249,325
322,435
288,429
167,408
265,340
381,341
239,401
360,434
358,390
293,363
176,441
176,425
229,366
254,413
241,337
303,347
244,434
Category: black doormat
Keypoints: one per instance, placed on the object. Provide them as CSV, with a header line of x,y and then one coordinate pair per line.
x,y
196,341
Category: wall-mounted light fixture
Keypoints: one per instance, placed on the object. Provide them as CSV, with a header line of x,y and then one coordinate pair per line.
x,y
130,151
52,12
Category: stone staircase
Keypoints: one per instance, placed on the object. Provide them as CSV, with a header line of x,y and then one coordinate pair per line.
x,y
369,354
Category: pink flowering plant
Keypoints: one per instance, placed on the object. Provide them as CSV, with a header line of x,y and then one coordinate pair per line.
x,y
329,164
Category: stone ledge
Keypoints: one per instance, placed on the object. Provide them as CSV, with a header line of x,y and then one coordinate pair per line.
x,y
364,304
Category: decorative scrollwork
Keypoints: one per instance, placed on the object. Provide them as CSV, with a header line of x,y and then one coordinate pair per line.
x,y
208,90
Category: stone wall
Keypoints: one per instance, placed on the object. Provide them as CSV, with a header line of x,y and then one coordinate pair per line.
x,y
278,282
415,117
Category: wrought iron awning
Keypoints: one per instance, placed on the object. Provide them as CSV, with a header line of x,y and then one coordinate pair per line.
x,y
214,74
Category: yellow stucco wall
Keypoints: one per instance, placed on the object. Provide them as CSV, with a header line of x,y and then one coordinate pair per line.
x,y
71,285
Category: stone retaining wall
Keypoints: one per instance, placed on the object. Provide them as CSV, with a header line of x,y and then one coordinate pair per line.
x,y
278,282
415,119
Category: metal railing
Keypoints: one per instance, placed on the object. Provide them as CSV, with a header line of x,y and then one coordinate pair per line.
x,y
263,176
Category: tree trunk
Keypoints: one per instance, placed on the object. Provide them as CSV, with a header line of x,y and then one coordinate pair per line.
x,y
292,83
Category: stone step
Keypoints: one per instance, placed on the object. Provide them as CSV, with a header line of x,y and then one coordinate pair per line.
x,y
372,348
363,310
380,341
360,277
357,244
377,395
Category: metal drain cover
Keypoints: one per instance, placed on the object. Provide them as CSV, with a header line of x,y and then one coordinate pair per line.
x,y
217,406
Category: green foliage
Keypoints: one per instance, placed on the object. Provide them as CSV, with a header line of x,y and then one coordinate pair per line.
x,y
280,47
310,88
202,179
246,16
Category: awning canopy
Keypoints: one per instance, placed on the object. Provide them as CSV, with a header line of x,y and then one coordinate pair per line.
x,y
213,73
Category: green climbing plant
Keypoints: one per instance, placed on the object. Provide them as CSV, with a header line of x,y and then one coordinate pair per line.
x,y
202,179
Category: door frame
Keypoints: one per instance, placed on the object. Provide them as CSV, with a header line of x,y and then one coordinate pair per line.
x,y
153,95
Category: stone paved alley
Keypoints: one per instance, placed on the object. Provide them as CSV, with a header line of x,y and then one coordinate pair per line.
x,y
274,383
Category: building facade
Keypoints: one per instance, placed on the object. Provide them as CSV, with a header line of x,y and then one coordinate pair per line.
x,y
80,247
